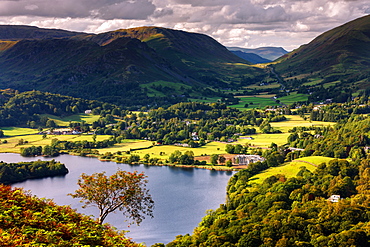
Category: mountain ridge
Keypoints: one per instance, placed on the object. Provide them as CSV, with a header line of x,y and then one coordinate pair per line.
x,y
116,65
270,53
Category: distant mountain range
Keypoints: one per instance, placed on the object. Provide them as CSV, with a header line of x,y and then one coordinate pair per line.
x,y
251,57
265,54
137,66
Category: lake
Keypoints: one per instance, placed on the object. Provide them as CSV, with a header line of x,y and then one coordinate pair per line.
x,y
181,196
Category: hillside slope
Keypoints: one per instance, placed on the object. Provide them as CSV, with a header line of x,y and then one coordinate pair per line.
x,y
26,220
343,51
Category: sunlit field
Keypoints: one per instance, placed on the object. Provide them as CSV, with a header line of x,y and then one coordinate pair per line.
x,y
290,169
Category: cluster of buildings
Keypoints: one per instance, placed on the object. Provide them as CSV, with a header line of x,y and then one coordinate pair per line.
x,y
246,159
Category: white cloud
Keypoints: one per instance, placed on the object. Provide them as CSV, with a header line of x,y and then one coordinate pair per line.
x,y
247,23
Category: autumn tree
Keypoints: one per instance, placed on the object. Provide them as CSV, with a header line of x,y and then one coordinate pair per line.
x,y
123,191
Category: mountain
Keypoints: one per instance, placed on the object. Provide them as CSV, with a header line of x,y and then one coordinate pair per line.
x,y
251,57
269,53
341,54
139,66
200,57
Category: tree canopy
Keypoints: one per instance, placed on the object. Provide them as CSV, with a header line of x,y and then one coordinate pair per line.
x,y
123,191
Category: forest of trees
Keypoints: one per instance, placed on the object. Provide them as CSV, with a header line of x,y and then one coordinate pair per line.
x,y
17,172
27,107
291,211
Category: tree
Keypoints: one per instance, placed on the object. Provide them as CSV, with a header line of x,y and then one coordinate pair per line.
x,y
214,158
123,191
229,163
221,159
51,124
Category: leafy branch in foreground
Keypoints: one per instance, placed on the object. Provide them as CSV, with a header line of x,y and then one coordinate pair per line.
x,y
123,191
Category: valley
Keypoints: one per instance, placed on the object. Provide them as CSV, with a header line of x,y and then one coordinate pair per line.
x,y
160,98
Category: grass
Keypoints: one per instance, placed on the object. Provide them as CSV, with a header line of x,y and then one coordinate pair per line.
x,y
37,140
295,121
294,97
63,122
255,102
206,100
265,140
17,131
290,169
166,150
267,86
127,145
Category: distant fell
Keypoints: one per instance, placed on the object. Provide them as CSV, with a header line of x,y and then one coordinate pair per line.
x,y
269,53
251,57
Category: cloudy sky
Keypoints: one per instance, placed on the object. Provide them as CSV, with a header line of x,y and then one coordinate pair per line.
x,y
243,23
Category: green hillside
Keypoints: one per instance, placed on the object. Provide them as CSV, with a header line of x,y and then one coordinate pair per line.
x,y
202,60
26,220
117,66
341,55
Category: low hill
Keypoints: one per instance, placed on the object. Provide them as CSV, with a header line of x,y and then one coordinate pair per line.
x,y
269,53
140,66
341,54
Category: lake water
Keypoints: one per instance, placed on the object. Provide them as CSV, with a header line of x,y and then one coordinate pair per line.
x,y
181,196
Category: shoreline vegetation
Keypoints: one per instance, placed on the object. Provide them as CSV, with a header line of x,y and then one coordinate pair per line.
x,y
18,172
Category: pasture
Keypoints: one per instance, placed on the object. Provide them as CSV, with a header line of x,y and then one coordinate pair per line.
x,y
290,169
295,121
264,140
64,122
292,98
255,102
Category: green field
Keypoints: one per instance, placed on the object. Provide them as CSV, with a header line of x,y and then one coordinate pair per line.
x,y
16,131
166,150
63,122
295,121
290,169
267,86
127,145
255,102
265,140
292,98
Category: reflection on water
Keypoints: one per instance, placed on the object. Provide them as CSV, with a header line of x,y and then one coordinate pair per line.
x,y
181,196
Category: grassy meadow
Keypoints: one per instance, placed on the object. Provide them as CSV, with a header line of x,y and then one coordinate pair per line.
x,y
255,102
63,122
290,169
295,121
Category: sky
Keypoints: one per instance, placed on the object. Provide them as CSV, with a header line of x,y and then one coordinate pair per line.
x,y
240,23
